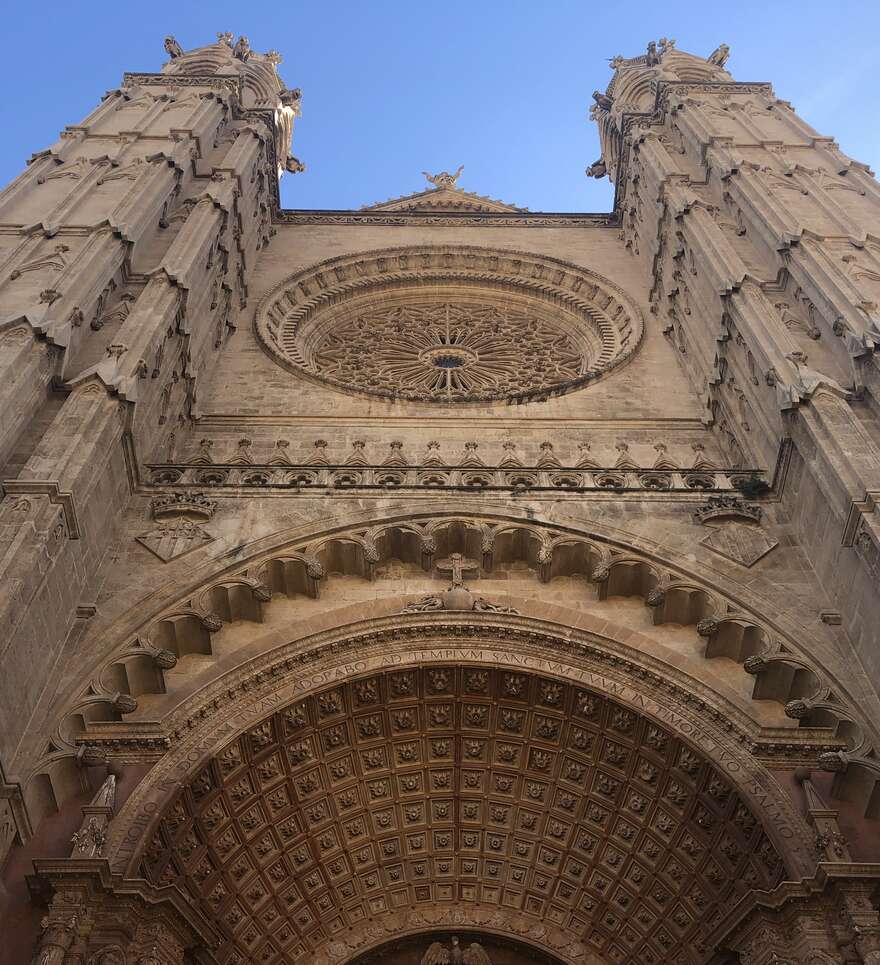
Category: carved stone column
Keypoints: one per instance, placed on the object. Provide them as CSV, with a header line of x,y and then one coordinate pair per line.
x,y
155,944
60,931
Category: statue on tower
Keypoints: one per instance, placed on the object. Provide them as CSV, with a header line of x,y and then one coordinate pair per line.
x,y
438,954
242,49
173,48
718,57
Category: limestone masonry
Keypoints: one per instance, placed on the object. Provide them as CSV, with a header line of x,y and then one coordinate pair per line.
x,y
439,582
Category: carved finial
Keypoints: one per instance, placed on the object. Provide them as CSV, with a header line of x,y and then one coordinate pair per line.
x,y
719,55
665,44
616,61
274,57
444,179
225,39
173,48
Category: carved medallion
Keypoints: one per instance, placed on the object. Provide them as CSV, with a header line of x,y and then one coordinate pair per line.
x,y
744,543
173,539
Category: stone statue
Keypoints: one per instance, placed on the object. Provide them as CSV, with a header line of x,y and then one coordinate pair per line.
x,y
603,101
597,169
719,55
242,49
293,165
444,179
652,57
292,99
173,47
438,954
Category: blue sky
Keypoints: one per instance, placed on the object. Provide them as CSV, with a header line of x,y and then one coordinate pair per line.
x,y
392,88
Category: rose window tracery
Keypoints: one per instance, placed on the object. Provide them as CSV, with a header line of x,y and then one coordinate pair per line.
x,y
450,351
449,325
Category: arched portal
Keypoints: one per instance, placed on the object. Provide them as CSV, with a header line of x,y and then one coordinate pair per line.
x,y
511,780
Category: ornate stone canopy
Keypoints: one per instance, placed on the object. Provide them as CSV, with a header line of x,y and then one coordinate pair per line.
x,y
449,324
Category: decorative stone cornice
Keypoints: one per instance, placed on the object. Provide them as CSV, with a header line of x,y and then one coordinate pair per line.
x,y
50,488
489,219
269,478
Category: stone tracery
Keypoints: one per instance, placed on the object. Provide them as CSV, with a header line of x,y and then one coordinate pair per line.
x,y
449,351
367,323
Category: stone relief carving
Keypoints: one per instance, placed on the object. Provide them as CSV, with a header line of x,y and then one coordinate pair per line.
x,y
457,596
439,954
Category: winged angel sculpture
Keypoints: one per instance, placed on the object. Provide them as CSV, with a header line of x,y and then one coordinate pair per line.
x,y
438,954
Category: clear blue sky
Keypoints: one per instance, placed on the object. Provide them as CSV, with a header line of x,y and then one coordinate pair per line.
x,y
394,87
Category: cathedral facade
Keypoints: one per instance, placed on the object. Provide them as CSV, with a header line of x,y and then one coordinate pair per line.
x,y
439,581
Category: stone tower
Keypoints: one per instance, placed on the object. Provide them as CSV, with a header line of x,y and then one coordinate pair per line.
x,y
439,581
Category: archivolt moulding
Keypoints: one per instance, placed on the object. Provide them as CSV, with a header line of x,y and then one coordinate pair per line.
x,y
356,665
162,631
449,324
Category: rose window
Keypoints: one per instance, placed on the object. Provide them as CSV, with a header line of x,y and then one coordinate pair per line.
x,y
449,351
446,326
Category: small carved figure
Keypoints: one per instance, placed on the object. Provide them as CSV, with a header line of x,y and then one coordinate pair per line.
x,y
666,44
293,165
438,954
603,101
225,39
291,98
597,169
242,49
718,57
652,57
616,61
444,179
173,47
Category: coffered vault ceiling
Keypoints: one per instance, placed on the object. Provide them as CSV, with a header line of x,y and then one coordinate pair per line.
x,y
507,790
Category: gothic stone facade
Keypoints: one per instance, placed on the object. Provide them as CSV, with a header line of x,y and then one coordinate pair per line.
x,y
440,567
